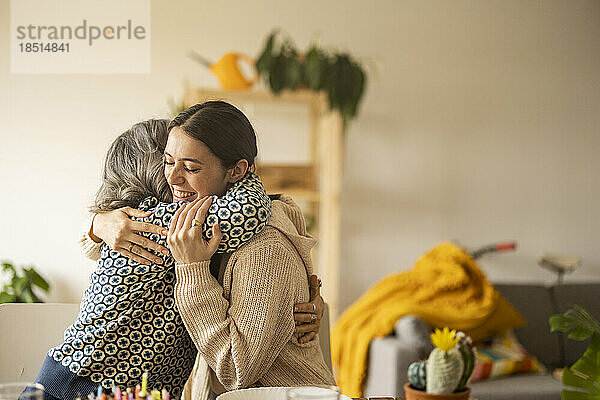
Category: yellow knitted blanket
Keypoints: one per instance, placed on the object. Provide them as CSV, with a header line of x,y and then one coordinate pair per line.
x,y
444,288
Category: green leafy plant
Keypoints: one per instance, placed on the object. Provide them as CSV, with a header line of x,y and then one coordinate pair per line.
x,y
281,66
20,286
584,374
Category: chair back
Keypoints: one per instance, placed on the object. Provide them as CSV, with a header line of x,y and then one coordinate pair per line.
x,y
27,332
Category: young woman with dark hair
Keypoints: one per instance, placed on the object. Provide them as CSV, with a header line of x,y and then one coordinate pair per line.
x,y
236,307
128,321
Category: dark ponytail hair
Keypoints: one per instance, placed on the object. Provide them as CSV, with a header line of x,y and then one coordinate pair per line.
x,y
223,128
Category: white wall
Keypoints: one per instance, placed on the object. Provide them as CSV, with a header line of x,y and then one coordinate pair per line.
x,y
481,125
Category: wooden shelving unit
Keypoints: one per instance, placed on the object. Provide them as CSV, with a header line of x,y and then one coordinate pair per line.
x,y
318,182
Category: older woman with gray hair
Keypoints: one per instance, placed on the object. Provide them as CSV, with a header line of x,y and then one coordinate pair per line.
x,y
128,320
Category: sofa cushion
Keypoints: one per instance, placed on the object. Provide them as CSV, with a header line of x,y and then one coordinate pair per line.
x,y
389,359
588,297
534,303
415,332
521,387
503,356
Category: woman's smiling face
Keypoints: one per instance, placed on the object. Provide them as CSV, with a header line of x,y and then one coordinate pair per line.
x,y
191,169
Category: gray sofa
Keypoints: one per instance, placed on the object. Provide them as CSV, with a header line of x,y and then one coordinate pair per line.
x,y
390,357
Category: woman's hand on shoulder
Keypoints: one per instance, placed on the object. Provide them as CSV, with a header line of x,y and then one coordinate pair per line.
x,y
308,315
185,233
118,231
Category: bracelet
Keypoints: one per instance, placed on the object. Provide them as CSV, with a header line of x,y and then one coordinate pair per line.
x,y
90,233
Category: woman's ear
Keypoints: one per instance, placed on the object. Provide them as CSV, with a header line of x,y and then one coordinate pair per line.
x,y
238,171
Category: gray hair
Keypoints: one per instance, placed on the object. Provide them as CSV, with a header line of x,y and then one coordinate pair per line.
x,y
133,169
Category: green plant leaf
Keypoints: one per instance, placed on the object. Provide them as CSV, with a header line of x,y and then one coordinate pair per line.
x,y
315,69
356,91
292,73
19,284
334,86
276,75
561,323
36,279
580,333
27,296
586,318
573,395
344,78
264,61
347,84
9,267
20,288
338,74
585,372
577,380
7,297
574,318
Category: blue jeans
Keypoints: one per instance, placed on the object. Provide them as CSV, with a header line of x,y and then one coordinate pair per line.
x,y
60,383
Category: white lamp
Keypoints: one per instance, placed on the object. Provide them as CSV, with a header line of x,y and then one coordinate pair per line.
x,y
560,265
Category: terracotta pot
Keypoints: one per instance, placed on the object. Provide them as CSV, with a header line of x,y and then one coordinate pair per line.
x,y
415,394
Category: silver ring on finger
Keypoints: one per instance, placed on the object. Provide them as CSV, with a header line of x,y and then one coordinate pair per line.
x,y
313,317
314,308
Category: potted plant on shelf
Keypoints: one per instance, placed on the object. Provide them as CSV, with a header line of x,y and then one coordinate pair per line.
x,y
282,66
444,375
20,287
584,374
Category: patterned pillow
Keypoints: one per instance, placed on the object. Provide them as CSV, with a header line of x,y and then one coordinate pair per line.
x,y
503,356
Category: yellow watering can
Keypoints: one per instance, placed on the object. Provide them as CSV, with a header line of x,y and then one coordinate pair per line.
x,y
227,70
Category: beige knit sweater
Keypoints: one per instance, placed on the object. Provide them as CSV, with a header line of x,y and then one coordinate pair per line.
x,y
244,329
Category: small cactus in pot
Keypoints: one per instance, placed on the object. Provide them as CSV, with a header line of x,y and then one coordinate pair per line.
x,y
445,364
465,347
417,374
446,371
